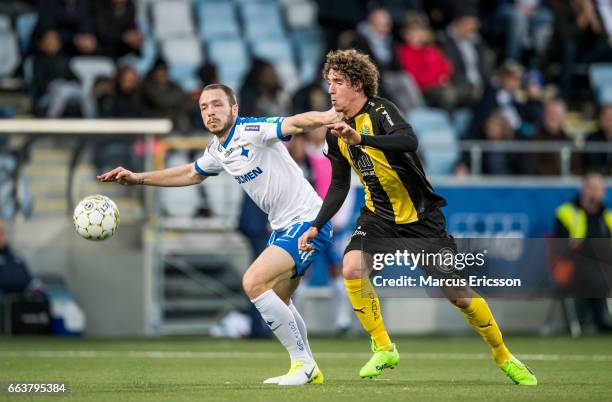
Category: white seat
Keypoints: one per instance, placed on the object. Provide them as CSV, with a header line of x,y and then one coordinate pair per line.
x,y
217,19
429,119
262,19
88,69
302,14
309,47
24,26
605,94
461,120
5,23
274,50
182,50
279,52
9,53
183,55
172,18
600,75
232,60
437,140
148,54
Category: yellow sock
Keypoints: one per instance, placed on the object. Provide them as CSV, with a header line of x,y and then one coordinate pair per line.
x,y
480,317
367,308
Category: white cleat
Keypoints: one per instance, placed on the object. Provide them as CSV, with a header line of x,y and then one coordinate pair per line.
x,y
302,373
273,380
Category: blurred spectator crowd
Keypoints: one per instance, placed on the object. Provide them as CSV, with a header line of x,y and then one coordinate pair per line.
x,y
528,70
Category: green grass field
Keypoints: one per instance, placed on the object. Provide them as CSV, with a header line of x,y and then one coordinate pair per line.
x,y
202,369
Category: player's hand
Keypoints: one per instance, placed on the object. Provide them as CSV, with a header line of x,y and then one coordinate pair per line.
x,y
345,132
122,176
333,116
305,240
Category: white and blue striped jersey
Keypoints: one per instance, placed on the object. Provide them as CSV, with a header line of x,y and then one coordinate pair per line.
x,y
253,154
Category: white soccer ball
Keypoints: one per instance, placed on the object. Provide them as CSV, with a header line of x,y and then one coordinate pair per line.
x,y
96,217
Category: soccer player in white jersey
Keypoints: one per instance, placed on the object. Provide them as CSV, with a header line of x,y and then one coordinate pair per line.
x,y
250,150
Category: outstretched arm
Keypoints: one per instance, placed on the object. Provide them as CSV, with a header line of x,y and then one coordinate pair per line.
x,y
178,176
302,122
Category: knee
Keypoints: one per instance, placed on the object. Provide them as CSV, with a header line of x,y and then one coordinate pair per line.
x,y
461,302
253,287
352,271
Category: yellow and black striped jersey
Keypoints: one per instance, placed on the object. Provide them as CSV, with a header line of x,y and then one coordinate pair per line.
x,y
396,188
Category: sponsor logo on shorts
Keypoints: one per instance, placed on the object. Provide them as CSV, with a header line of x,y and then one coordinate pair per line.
x,y
359,232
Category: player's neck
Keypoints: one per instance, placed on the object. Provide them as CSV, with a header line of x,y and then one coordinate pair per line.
x,y
354,108
223,135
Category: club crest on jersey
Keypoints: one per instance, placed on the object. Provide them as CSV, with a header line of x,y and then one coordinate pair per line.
x,y
365,131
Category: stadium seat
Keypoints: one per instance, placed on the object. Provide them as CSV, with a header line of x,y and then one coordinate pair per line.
x,y
232,60
604,95
279,52
600,75
148,54
5,23
142,17
309,47
216,20
172,18
88,69
429,119
461,120
274,50
184,55
25,26
301,14
262,19
9,53
437,139
289,76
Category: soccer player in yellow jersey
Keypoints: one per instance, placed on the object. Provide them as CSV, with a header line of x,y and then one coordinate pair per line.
x,y
377,143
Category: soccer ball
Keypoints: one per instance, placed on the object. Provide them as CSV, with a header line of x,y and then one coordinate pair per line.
x,y
96,217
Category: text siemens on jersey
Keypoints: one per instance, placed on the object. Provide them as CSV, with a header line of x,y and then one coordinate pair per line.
x,y
252,175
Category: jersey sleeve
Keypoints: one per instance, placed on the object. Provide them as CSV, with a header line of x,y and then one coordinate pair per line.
x,y
207,165
263,130
389,118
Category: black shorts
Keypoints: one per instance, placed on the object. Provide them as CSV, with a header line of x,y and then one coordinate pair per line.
x,y
428,235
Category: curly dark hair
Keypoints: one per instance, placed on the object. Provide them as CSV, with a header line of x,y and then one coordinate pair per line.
x,y
357,67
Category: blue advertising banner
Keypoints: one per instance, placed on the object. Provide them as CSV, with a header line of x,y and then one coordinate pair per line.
x,y
511,211
521,211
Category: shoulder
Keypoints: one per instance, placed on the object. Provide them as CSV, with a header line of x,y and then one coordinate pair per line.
x,y
258,120
383,107
256,124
